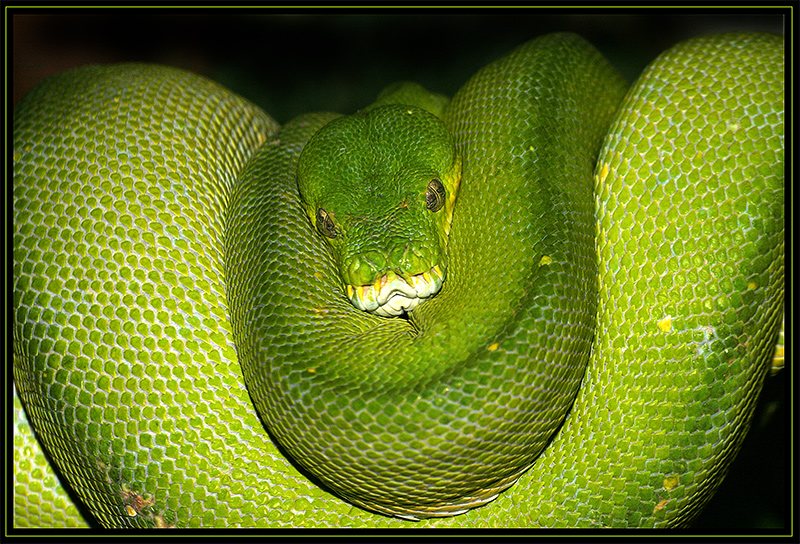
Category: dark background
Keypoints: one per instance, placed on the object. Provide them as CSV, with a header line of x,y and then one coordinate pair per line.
x,y
290,63
305,61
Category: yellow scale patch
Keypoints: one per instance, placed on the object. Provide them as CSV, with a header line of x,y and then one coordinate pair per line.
x,y
604,172
671,482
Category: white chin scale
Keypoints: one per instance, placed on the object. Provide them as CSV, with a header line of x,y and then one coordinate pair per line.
x,y
391,295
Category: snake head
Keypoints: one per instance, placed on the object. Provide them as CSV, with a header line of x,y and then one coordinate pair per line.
x,y
380,187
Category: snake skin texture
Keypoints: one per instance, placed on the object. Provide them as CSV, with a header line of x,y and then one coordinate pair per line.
x,y
159,244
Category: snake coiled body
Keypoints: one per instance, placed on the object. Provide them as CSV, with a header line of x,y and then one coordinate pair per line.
x,y
622,249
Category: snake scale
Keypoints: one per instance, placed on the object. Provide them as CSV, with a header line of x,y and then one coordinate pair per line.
x,y
586,281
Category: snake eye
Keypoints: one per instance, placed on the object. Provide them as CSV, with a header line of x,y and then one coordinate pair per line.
x,y
325,224
434,195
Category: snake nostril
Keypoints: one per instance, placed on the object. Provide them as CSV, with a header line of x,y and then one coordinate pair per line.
x,y
398,257
410,259
364,268
375,260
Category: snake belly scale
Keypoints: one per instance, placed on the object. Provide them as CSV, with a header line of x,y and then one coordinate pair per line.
x,y
612,291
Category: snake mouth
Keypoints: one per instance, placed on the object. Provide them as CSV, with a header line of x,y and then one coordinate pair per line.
x,y
392,295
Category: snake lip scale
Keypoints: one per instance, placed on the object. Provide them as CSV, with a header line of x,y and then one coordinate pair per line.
x,y
392,295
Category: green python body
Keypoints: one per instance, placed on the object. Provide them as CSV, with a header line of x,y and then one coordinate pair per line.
x,y
164,258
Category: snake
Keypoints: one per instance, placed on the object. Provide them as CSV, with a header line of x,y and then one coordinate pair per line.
x,y
549,300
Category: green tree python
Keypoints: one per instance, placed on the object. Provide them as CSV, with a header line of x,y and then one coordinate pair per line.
x,y
549,301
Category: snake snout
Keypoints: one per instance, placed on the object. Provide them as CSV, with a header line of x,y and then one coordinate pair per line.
x,y
392,278
392,295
